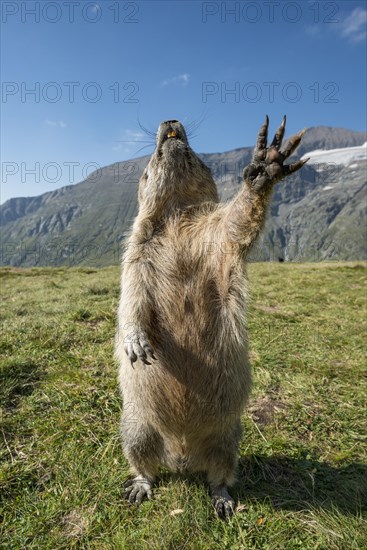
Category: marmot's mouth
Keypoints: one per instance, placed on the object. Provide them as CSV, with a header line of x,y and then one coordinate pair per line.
x,y
171,134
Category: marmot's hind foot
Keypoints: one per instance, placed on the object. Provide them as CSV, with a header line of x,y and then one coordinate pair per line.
x,y
223,503
139,489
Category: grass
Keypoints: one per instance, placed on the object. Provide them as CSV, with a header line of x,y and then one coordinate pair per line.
x,y
302,478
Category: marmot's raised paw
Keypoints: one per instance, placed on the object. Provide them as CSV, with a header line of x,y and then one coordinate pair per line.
x,y
136,345
139,489
266,167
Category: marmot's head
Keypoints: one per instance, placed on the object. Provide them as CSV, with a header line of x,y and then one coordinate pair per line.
x,y
175,176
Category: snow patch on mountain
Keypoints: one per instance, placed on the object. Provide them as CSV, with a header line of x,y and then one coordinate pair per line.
x,y
344,156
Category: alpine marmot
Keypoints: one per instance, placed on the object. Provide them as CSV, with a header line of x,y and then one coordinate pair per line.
x,y
181,340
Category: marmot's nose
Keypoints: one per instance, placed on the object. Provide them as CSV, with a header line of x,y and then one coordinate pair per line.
x,y
169,121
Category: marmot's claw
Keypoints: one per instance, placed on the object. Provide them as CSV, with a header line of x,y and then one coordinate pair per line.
x,y
224,507
290,168
138,491
147,349
137,346
279,134
222,501
267,165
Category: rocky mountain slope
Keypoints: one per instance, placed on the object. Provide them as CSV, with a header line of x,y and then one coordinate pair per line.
x,y
317,214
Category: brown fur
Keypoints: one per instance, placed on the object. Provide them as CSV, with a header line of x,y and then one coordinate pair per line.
x,y
184,289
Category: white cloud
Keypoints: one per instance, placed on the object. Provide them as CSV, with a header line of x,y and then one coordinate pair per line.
x,y
55,123
182,79
354,27
134,136
312,30
118,148
128,137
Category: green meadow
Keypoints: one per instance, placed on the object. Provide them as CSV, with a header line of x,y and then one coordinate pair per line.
x,y
302,479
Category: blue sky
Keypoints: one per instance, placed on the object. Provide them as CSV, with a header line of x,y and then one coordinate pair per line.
x,y
97,68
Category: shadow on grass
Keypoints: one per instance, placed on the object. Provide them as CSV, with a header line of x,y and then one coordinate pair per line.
x,y
299,484
290,484
18,378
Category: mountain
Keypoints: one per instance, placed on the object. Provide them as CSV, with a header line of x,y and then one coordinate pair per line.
x,y
316,214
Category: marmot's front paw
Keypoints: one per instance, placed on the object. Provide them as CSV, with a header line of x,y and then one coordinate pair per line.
x,y
136,345
266,167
